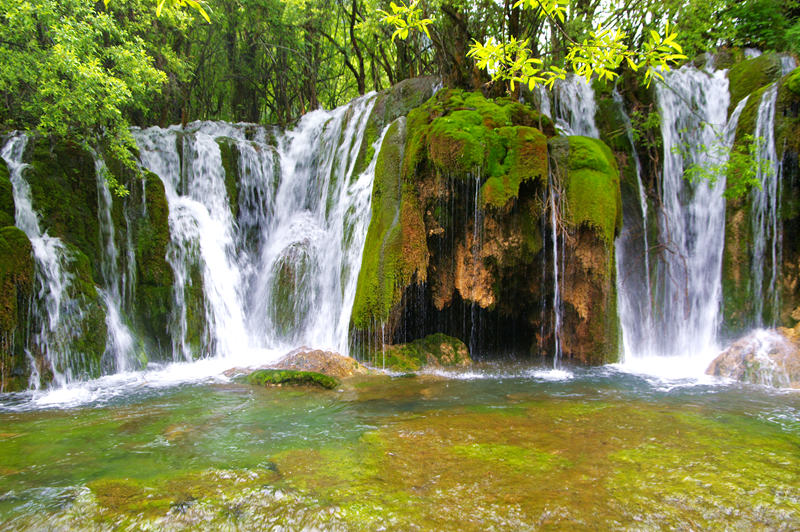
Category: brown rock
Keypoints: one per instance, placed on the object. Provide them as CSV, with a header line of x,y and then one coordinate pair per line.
x,y
769,357
325,362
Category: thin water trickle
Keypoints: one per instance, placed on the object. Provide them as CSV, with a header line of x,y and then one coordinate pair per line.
x,y
632,255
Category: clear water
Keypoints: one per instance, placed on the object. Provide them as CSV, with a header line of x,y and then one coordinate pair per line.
x,y
503,447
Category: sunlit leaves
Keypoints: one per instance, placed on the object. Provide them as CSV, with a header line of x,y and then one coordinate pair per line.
x,y
511,61
554,9
601,54
406,19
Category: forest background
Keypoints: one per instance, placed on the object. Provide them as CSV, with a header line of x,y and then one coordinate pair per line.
x,y
86,71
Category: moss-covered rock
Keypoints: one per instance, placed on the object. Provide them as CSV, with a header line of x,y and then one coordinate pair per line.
x,y
288,377
586,173
229,152
395,252
16,292
153,295
435,350
750,75
6,197
63,186
592,188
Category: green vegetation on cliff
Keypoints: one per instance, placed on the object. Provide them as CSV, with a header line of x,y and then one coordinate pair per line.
x,y
592,188
750,75
16,290
435,350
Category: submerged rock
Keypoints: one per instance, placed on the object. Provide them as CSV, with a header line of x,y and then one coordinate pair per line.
x,y
435,350
769,357
280,377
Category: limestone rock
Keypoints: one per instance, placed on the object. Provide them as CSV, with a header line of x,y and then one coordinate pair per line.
x,y
435,350
769,357
319,361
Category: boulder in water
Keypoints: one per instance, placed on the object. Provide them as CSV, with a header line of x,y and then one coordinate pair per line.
x,y
305,359
770,357
435,350
289,377
317,360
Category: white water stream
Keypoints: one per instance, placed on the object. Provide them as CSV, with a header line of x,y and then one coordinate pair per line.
x,y
284,272
687,282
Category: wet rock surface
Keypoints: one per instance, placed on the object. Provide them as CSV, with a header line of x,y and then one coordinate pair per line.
x,y
769,357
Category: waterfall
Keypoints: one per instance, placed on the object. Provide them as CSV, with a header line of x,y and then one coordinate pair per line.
x,y
693,106
283,272
575,107
632,255
120,343
765,216
58,313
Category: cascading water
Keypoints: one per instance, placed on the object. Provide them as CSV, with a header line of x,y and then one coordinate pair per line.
x,y
632,255
575,107
120,343
693,106
59,314
283,272
765,216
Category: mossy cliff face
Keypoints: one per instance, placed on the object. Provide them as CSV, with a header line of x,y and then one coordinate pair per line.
x,y
749,75
586,173
6,197
154,277
738,297
787,141
457,227
63,184
16,292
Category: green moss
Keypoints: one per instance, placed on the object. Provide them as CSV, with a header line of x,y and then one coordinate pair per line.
x,y
395,248
437,350
525,159
592,187
792,81
89,341
16,289
750,75
229,152
511,456
6,197
64,191
277,377
787,119
153,302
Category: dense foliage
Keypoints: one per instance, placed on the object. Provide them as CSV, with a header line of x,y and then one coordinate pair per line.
x,y
79,70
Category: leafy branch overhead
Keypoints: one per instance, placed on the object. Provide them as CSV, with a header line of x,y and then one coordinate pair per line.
x,y
406,19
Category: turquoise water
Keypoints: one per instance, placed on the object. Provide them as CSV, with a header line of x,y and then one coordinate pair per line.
x,y
501,447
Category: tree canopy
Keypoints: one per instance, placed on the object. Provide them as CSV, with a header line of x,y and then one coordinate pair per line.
x,y
85,71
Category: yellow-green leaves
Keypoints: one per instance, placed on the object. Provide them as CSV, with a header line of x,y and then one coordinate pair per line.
x,y
176,3
658,53
601,54
511,61
554,9
406,19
